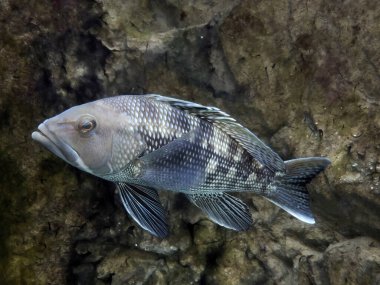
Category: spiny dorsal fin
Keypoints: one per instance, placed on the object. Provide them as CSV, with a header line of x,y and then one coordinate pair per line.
x,y
250,142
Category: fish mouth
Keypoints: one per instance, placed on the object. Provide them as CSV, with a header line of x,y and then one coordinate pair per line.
x,y
50,141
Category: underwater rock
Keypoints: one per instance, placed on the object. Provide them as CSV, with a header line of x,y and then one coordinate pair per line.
x,y
355,261
303,76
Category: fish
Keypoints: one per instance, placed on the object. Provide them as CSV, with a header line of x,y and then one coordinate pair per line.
x,y
148,143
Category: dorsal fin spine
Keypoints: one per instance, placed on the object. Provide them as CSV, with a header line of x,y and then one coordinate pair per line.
x,y
250,142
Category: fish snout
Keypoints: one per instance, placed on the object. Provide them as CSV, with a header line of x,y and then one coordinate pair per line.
x,y
51,141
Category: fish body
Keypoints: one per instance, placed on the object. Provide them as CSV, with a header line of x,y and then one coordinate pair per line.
x,y
145,143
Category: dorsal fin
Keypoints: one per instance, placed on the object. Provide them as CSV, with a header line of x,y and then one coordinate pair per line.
x,y
249,141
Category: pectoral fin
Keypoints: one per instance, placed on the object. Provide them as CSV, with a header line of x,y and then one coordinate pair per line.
x,y
143,204
224,209
171,167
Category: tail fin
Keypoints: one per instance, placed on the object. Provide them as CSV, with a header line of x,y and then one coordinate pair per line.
x,y
290,190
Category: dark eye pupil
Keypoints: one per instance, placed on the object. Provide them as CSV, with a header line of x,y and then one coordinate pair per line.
x,y
87,126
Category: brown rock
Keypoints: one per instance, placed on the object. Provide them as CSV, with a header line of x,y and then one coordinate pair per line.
x,y
302,75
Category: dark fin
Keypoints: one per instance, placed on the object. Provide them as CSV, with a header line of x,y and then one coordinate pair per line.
x,y
291,193
250,142
224,209
143,204
167,167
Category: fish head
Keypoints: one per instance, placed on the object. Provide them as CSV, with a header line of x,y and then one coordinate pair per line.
x,y
81,136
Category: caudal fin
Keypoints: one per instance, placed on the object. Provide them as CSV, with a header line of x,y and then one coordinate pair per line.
x,y
290,191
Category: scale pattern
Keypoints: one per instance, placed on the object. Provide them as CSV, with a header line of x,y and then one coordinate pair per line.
x,y
185,153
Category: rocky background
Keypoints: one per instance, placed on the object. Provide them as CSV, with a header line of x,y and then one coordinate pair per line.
x,y
303,75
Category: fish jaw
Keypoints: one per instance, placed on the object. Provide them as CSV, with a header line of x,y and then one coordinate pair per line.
x,y
57,146
46,139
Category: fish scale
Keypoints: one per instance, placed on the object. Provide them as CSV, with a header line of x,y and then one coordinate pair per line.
x,y
148,143
208,144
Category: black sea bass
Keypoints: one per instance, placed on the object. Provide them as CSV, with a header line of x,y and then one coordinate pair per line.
x,y
146,143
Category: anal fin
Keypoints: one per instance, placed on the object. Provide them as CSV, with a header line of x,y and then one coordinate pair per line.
x,y
224,209
143,205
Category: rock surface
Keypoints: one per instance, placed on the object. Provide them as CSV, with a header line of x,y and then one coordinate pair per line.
x,y
303,75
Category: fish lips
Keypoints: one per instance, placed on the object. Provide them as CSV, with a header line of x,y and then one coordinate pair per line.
x,y
50,141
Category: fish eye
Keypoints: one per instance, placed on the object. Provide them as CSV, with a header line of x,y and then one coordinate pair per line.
x,y
86,124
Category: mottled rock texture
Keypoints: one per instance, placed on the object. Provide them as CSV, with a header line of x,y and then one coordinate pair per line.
x,y
303,75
